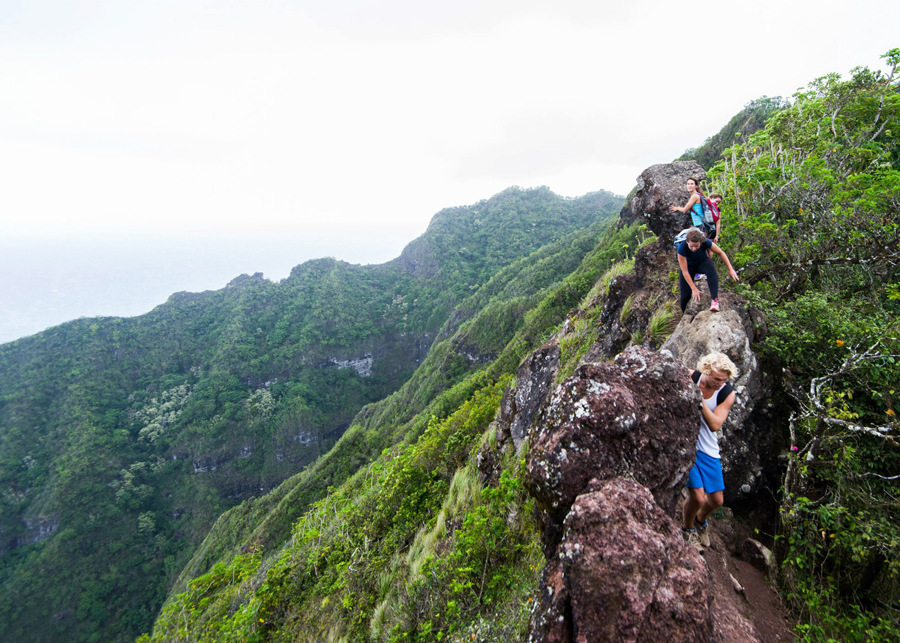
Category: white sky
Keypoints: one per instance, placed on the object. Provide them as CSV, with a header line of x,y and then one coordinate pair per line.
x,y
310,120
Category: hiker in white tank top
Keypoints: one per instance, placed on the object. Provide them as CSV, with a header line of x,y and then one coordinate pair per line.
x,y
707,440
706,483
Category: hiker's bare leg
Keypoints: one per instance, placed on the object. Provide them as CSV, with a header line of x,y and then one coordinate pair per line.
x,y
692,504
714,500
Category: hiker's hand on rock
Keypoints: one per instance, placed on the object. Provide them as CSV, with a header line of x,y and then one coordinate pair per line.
x,y
696,295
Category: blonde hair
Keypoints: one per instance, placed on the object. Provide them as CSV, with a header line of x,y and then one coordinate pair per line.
x,y
717,362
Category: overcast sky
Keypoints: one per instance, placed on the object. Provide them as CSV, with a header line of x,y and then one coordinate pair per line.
x,y
307,120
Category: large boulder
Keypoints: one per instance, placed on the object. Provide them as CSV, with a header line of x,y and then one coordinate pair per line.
x,y
725,332
658,187
622,573
635,418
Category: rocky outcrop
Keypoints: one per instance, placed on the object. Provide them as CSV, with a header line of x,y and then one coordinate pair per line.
x,y
609,454
610,447
534,378
362,365
623,573
658,187
416,259
634,418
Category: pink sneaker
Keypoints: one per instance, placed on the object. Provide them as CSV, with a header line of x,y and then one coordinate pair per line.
x,y
715,306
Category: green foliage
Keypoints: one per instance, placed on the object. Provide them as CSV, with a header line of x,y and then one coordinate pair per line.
x,y
575,343
342,555
662,322
417,506
625,312
480,567
620,268
811,222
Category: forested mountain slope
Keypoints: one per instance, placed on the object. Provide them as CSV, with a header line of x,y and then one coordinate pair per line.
x,y
123,440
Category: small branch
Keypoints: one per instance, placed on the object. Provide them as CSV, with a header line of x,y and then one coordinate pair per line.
x,y
890,258
880,130
864,475
778,194
877,431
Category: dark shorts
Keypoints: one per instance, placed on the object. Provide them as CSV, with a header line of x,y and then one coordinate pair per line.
x,y
706,474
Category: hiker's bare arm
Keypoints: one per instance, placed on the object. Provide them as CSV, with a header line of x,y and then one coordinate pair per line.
x,y
694,199
721,253
715,419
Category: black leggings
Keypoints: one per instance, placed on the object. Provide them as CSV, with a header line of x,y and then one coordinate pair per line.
x,y
705,267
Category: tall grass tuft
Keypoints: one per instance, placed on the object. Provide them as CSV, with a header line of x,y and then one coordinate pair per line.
x,y
627,309
662,323
601,288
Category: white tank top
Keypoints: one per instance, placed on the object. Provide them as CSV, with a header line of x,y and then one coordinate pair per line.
x,y
708,441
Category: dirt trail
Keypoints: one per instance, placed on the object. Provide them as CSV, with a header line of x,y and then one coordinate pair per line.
x,y
747,608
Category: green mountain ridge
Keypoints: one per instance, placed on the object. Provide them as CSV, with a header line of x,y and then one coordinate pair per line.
x,y
124,439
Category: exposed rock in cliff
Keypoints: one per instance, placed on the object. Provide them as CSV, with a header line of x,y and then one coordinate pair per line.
x,y
533,381
660,186
623,573
633,418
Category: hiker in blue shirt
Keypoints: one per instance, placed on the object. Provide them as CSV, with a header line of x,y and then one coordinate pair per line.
x,y
704,212
693,259
693,204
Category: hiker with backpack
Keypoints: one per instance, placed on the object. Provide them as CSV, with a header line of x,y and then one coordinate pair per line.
x,y
694,251
702,213
706,484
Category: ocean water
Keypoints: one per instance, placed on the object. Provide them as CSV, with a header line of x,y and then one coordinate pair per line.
x,y
45,282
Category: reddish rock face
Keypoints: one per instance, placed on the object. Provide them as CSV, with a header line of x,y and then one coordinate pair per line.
x,y
635,418
622,573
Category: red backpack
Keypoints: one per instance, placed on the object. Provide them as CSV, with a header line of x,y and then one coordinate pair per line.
x,y
715,211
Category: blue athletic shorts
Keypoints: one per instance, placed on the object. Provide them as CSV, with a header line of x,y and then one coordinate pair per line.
x,y
706,474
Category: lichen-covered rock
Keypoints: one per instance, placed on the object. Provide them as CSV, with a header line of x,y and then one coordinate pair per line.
x,y
549,622
636,418
658,187
724,332
623,573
